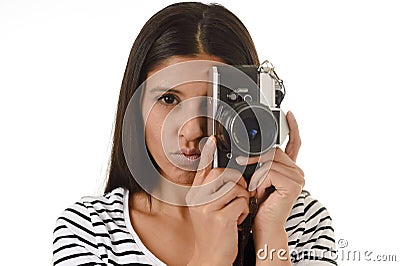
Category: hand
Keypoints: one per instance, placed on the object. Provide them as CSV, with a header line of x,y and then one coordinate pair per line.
x,y
218,201
279,170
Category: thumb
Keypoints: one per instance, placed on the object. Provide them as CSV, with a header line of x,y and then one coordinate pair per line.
x,y
294,143
206,160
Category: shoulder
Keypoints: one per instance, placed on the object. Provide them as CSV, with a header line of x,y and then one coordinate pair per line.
x,y
86,218
112,202
310,232
94,230
91,208
308,210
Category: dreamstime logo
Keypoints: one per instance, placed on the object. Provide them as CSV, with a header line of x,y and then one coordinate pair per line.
x,y
345,253
139,108
342,243
326,254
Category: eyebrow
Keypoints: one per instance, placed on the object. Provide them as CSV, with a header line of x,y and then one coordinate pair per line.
x,y
164,89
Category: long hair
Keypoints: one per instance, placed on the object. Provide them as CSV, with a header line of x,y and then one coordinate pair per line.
x,y
184,29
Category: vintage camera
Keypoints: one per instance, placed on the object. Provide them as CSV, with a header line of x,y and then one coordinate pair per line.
x,y
244,104
245,111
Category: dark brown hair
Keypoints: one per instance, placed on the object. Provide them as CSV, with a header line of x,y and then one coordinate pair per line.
x,y
184,29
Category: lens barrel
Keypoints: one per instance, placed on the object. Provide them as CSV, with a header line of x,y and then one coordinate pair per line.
x,y
246,129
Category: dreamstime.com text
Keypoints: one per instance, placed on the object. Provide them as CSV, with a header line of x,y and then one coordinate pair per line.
x,y
342,253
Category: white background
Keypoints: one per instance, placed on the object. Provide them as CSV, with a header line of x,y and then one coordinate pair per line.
x,y
61,66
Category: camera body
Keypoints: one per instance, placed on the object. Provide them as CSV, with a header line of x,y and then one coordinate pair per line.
x,y
244,104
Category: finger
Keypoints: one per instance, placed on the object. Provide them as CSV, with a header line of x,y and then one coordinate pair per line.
x,y
242,182
218,176
259,182
229,175
238,209
227,193
296,174
261,189
217,183
260,173
284,185
283,158
206,159
263,158
293,146
258,176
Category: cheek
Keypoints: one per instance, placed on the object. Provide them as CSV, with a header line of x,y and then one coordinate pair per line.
x,y
153,130
160,136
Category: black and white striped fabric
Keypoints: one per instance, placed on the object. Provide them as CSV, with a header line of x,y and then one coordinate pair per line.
x,y
97,231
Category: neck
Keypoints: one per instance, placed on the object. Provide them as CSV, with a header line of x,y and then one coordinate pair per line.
x,y
140,202
167,198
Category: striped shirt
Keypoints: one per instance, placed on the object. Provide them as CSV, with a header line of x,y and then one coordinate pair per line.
x,y
97,231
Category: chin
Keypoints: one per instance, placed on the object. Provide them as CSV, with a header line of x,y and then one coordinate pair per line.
x,y
181,177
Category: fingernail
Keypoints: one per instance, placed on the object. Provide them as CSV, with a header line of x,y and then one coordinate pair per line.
x,y
241,160
210,144
205,143
210,140
291,114
252,188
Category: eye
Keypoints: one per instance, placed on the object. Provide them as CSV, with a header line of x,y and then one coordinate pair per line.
x,y
168,99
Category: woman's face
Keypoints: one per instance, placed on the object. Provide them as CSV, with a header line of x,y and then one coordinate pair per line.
x,y
174,113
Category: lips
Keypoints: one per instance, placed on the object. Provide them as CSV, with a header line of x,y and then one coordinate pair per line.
x,y
189,159
191,152
192,156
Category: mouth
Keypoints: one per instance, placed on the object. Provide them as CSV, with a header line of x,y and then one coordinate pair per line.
x,y
186,158
189,152
191,156
188,155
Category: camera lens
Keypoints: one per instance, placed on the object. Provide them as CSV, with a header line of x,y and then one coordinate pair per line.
x,y
246,129
253,133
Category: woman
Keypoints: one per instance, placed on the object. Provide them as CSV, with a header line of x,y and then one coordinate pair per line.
x,y
149,219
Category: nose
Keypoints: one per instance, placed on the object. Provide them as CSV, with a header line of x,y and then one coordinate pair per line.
x,y
194,129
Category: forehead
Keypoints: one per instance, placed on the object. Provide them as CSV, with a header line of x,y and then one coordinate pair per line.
x,y
180,72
